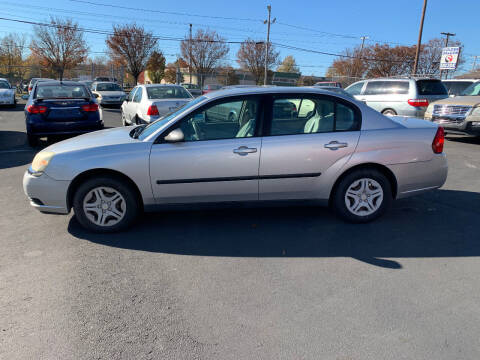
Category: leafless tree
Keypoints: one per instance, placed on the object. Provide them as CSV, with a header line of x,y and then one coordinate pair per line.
x,y
204,52
12,56
251,57
131,45
59,46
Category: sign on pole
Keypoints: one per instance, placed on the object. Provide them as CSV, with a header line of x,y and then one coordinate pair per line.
x,y
449,58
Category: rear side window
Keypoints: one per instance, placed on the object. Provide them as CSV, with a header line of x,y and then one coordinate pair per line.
x,y
138,95
386,87
431,87
307,115
355,89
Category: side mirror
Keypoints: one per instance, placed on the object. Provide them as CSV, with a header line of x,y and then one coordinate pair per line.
x,y
96,95
174,136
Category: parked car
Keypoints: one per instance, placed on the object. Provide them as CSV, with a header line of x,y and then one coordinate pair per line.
x,y
210,87
7,93
329,83
33,81
193,89
460,114
61,108
147,103
456,86
398,96
334,89
316,156
108,93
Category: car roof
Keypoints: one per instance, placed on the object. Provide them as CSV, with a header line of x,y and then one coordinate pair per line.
x,y
462,80
56,82
269,90
161,85
3,79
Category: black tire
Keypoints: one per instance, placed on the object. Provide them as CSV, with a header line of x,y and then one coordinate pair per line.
x,y
389,112
338,197
132,205
32,140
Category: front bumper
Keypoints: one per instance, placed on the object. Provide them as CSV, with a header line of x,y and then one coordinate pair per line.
x,y
46,194
469,125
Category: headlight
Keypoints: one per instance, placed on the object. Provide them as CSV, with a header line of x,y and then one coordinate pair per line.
x,y
40,162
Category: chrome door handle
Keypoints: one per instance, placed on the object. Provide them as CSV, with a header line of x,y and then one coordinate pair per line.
x,y
244,150
335,145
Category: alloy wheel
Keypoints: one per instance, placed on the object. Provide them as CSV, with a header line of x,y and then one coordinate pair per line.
x,y
364,197
104,206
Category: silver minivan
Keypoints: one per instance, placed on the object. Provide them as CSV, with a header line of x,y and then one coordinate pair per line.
x,y
399,96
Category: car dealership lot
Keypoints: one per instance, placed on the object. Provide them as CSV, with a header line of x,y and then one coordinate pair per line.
x,y
265,283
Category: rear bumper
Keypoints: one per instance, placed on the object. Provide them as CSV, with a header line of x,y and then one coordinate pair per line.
x,y
418,177
46,194
63,128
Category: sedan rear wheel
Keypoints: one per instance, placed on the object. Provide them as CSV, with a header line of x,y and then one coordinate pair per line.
x,y
362,196
105,204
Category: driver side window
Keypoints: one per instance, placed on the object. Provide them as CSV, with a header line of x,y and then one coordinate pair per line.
x,y
226,120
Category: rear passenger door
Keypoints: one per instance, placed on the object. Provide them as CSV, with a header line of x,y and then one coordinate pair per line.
x,y
305,135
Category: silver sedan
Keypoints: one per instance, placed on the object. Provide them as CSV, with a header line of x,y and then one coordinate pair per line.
x,y
147,103
242,145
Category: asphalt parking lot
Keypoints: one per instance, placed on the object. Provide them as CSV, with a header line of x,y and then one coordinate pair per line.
x,y
270,283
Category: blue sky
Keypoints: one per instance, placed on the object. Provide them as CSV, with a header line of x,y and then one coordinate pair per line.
x,y
332,25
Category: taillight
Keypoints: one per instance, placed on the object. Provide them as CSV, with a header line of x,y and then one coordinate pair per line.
x,y
418,102
438,141
152,110
90,107
36,109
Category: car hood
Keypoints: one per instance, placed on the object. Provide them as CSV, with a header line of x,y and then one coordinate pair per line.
x,y
110,93
96,139
459,100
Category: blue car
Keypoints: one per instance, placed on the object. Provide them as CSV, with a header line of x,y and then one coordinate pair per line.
x,y
61,108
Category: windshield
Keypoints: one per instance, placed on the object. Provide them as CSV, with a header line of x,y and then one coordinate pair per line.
x,y
154,126
108,87
4,85
167,92
61,91
473,89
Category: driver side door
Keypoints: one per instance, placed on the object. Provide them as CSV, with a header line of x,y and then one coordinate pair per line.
x,y
218,160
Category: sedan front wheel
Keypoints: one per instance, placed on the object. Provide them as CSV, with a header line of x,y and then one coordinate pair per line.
x,y
105,204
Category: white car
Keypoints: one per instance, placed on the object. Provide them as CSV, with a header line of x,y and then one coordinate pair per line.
x,y
7,93
147,103
108,93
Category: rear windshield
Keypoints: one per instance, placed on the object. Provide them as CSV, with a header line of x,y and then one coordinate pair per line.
x,y
108,87
61,91
473,89
4,85
167,92
456,87
431,87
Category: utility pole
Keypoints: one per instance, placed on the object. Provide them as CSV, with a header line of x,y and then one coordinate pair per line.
x,y
447,34
419,42
474,62
190,57
363,38
268,22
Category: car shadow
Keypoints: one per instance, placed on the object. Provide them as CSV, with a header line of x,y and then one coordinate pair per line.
x,y
474,140
438,224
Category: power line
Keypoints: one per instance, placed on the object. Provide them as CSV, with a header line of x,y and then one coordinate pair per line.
x,y
165,12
